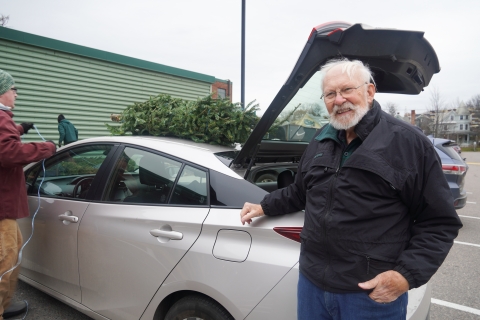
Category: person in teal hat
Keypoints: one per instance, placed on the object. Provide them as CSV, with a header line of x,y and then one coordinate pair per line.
x,y
14,154
68,132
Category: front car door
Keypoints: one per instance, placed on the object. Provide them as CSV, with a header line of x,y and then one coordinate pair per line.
x,y
150,215
59,192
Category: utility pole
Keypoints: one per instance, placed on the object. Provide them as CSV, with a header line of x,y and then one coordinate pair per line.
x,y
242,100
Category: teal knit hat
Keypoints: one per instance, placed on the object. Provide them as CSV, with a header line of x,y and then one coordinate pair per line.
x,y
6,82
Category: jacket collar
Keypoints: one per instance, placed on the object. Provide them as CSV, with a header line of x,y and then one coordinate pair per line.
x,y
7,110
369,121
362,129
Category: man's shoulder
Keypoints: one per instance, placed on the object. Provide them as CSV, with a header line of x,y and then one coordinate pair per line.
x,y
408,130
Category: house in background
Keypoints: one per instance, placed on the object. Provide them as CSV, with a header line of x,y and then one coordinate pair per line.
x,y
88,85
453,124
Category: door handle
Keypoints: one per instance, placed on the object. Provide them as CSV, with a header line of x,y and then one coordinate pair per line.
x,y
64,217
173,235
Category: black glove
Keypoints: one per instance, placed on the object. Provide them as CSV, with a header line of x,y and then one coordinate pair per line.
x,y
26,126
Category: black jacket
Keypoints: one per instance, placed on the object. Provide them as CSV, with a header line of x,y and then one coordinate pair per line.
x,y
388,207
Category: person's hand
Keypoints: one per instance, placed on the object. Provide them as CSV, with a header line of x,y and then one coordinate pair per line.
x,y
387,286
250,211
26,126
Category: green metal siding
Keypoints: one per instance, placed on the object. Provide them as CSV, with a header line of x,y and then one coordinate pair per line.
x,y
84,89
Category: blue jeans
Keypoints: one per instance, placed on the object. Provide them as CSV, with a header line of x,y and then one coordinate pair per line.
x,y
314,303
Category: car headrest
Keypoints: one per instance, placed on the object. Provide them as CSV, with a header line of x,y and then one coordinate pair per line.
x,y
149,172
285,178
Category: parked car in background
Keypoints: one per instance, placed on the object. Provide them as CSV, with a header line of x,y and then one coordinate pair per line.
x,y
149,227
454,168
456,147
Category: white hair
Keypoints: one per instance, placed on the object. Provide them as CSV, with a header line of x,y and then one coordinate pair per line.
x,y
350,67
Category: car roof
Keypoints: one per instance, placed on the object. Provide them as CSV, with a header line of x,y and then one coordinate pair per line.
x,y
198,153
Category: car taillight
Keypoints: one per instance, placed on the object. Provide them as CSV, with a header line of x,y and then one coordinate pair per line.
x,y
292,233
454,169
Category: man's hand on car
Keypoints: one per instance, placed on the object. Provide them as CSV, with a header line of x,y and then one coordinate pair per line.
x,y
387,286
250,211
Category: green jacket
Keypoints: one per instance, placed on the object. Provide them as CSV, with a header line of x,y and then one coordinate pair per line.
x,y
68,132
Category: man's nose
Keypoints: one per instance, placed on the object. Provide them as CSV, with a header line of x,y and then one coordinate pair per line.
x,y
339,99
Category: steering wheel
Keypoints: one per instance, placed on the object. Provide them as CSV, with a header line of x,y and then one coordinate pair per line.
x,y
82,185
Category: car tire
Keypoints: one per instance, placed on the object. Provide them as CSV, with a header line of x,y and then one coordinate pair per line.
x,y
266,177
197,307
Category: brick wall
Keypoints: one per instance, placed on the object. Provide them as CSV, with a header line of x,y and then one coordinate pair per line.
x,y
227,86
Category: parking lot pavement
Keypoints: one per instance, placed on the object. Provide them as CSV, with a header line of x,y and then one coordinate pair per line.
x,y
456,285
42,306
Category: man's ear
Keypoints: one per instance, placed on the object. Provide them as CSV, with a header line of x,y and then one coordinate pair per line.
x,y
370,92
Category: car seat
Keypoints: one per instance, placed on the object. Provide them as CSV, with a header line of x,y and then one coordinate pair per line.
x,y
154,187
285,178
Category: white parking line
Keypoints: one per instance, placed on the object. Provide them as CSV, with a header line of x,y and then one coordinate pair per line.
x,y
469,217
467,244
469,192
471,202
456,306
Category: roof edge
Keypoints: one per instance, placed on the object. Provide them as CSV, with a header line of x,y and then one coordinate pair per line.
x,y
67,47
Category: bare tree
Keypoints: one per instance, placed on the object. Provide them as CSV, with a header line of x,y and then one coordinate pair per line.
x,y
474,103
474,106
391,108
4,20
438,109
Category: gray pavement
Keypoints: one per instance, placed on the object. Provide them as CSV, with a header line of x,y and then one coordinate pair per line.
x,y
458,279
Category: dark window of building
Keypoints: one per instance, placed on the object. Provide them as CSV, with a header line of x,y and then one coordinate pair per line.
x,y
466,127
461,117
461,127
445,128
221,93
466,117
451,118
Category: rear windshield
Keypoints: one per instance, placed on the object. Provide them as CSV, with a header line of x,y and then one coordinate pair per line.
x,y
303,115
448,149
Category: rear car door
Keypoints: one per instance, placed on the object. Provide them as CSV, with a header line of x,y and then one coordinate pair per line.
x,y
150,214
60,194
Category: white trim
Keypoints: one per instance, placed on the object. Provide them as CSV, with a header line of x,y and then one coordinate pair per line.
x,y
456,306
467,243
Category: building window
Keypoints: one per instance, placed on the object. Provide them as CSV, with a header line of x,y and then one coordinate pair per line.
x,y
466,117
451,117
461,117
461,127
445,128
466,127
221,93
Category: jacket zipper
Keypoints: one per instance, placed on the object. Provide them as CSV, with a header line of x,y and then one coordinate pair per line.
x,y
325,220
368,264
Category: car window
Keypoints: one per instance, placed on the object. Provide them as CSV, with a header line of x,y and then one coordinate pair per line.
x,y
141,177
191,188
68,174
302,116
450,151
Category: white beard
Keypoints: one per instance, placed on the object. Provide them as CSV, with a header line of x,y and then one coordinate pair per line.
x,y
340,122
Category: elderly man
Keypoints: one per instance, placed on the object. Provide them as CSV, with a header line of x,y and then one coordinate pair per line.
x,y
13,156
379,215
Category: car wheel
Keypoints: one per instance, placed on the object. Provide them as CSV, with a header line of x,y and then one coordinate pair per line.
x,y
197,307
267,177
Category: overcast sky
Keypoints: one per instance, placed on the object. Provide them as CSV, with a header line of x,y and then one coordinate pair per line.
x,y
205,36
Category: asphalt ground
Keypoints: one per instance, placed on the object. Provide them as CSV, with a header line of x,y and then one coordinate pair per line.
x,y
455,286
